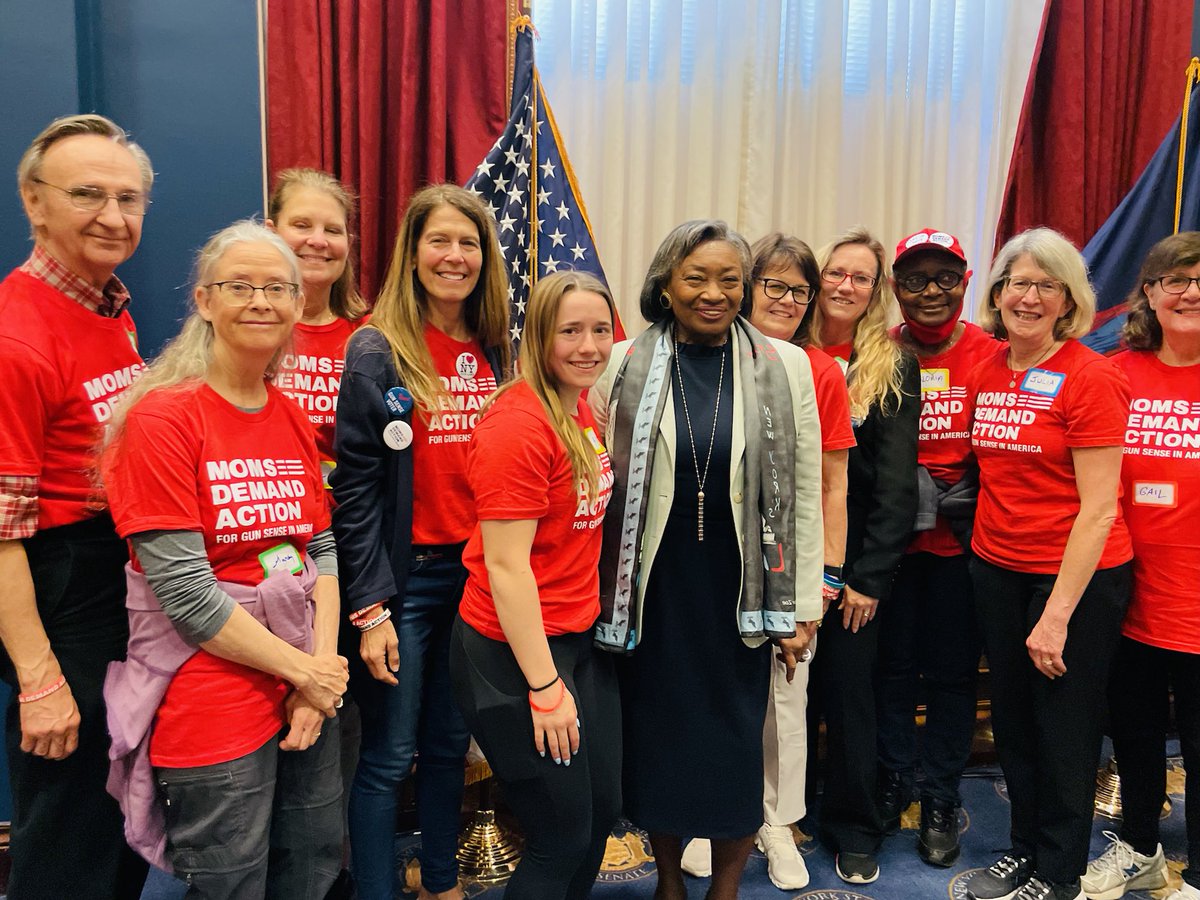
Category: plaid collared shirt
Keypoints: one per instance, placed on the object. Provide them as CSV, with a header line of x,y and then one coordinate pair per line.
x,y
19,493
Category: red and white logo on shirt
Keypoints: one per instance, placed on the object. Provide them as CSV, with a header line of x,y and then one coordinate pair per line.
x,y
262,495
1164,428
589,514
313,382
104,391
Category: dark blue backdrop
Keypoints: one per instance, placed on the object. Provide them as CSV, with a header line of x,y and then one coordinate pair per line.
x,y
183,78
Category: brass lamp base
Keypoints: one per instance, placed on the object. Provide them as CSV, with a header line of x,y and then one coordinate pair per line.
x,y
487,853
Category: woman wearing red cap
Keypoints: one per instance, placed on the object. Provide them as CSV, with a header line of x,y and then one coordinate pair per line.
x,y
930,617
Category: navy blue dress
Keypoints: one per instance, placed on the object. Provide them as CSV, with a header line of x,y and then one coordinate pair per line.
x,y
694,697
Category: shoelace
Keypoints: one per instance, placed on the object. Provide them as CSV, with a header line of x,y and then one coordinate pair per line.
x,y
941,819
772,838
1035,889
1004,866
1118,857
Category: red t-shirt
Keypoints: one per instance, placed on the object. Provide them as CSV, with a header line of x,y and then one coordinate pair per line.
x,y
251,484
944,440
1023,436
312,374
840,354
518,469
443,510
1161,476
833,401
64,368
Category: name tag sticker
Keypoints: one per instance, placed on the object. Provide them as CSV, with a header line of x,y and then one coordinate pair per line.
x,y
1155,493
281,558
935,380
590,432
1044,382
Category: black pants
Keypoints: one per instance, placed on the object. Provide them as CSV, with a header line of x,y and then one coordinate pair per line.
x,y
1141,678
1048,732
67,832
566,812
930,638
842,688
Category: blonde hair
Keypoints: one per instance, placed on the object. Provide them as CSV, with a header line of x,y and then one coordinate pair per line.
x,y
401,308
875,371
186,358
541,319
1058,258
344,299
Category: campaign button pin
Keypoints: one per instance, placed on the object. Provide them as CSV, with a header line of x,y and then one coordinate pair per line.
x,y
397,434
398,400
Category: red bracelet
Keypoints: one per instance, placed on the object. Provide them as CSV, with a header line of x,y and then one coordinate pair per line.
x,y
562,692
359,614
44,692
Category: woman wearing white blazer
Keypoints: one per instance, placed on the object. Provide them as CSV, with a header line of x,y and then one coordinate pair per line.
x,y
712,546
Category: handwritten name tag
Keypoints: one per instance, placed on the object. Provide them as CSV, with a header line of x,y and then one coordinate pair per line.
x,y
1154,493
935,380
1044,382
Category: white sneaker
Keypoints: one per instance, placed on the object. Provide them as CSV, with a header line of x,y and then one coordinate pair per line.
x,y
785,865
1185,892
697,858
1120,868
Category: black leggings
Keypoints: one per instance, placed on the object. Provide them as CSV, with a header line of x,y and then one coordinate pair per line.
x,y
566,812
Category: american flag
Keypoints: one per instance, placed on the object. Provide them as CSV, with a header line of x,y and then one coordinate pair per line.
x,y
528,184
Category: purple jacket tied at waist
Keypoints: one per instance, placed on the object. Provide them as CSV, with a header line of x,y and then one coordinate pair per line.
x,y
133,689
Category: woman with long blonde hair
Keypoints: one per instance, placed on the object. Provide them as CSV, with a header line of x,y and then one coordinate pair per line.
x,y
849,322
415,381
542,480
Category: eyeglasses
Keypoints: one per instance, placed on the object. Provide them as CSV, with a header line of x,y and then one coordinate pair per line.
x,y
777,290
1047,288
916,283
131,203
1175,284
837,276
242,292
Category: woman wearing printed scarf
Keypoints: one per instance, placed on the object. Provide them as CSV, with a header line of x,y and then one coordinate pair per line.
x,y
711,549
1051,563
849,322
931,635
538,696
415,380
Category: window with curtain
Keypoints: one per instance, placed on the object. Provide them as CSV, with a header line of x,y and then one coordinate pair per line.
x,y
805,116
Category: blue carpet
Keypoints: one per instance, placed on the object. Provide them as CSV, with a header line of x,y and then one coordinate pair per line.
x,y
628,873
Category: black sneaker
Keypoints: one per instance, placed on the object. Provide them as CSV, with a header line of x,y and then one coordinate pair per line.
x,y
856,868
1001,880
892,796
938,842
1038,889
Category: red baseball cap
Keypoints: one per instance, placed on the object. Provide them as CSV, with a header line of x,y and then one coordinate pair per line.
x,y
927,238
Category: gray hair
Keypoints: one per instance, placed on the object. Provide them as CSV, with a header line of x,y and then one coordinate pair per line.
x,y
1058,258
30,166
187,356
678,246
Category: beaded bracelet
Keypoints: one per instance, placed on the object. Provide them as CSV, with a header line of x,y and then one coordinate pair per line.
x,y
44,692
562,692
371,623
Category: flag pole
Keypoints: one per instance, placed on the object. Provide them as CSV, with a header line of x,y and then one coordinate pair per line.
x,y
1193,76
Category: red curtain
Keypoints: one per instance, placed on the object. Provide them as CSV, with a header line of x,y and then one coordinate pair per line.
x,y
388,95
1106,85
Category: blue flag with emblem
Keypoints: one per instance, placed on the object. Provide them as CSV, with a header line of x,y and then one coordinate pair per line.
x,y
530,188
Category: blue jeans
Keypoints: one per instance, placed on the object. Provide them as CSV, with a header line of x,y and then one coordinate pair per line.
x,y
267,824
416,717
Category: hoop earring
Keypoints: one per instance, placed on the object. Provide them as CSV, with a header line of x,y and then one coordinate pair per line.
x,y
664,300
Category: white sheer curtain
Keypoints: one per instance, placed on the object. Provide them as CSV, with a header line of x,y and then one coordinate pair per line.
x,y
801,115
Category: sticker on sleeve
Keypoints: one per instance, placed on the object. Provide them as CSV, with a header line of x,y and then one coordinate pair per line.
x,y
398,400
935,380
281,558
397,434
1043,382
1155,493
327,467
590,433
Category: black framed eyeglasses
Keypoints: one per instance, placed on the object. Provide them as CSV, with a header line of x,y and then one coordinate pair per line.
x,y
775,289
241,292
131,203
1176,284
916,282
